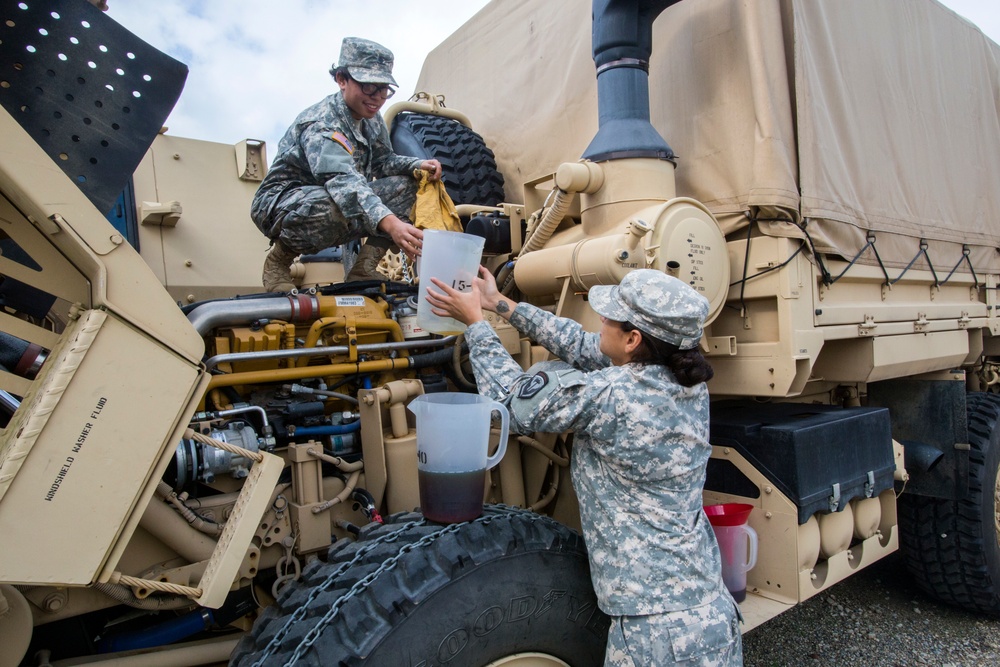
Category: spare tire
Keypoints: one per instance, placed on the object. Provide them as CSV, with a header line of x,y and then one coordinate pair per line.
x,y
510,586
469,168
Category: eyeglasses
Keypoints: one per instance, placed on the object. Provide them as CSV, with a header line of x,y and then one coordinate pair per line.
x,y
375,90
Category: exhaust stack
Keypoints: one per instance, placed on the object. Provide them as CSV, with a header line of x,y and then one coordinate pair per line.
x,y
622,42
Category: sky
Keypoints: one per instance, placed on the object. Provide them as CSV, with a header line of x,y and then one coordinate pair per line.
x,y
254,64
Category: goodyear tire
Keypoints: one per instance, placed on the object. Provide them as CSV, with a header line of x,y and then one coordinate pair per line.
x,y
952,547
469,169
506,586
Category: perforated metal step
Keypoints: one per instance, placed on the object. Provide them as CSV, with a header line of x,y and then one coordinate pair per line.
x,y
91,93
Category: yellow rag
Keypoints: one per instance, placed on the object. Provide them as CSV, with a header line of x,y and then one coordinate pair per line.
x,y
433,208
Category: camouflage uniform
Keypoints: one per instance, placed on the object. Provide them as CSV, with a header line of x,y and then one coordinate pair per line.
x,y
319,191
639,459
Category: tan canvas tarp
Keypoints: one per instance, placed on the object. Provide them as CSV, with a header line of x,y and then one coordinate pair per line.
x,y
855,115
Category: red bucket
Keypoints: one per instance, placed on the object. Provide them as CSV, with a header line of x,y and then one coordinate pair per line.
x,y
728,514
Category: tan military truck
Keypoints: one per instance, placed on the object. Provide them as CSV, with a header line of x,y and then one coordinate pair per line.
x,y
192,472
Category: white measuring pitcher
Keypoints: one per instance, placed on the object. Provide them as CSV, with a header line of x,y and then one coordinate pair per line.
x,y
453,258
453,439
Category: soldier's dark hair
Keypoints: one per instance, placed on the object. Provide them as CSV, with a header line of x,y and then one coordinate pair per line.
x,y
688,366
334,71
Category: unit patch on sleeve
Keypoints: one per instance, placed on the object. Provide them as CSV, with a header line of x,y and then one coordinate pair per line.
x,y
342,139
535,384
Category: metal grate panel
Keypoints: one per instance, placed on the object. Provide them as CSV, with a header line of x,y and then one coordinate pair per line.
x,y
92,94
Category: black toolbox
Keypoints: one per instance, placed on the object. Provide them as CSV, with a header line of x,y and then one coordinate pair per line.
x,y
820,456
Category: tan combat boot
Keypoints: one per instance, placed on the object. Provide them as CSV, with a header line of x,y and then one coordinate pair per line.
x,y
277,274
366,266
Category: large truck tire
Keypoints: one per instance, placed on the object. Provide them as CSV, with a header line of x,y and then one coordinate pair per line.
x,y
468,166
511,588
952,547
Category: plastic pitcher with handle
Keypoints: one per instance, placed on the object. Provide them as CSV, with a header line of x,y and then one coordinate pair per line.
x,y
453,258
453,439
737,543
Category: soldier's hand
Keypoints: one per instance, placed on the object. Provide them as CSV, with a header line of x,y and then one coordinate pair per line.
x,y
407,238
490,297
445,301
434,167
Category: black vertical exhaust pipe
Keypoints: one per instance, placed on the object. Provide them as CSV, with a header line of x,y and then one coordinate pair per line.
x,y
623,42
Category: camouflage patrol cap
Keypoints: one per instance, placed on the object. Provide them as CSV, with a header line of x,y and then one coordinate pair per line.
x,y
366,61
657,304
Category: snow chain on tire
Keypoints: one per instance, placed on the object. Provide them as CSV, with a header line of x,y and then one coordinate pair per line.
x,y
415,593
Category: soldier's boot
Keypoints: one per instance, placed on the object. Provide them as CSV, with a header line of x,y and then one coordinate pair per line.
x,y
366,266
277,275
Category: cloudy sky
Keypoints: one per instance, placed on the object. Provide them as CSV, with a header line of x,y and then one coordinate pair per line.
x,y
254,64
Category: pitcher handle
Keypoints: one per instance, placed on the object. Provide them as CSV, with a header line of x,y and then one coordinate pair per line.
x,y
752,536
504,427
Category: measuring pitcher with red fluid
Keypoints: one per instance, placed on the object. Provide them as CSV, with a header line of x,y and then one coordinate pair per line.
x,y
453,439
737,543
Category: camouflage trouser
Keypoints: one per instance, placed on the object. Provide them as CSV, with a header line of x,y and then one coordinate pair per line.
x,y
307,220
706,636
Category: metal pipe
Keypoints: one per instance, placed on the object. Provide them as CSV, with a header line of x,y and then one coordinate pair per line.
x,y
436,358
166,525
330,350
622,44
385,325
229,412
214,314
8,401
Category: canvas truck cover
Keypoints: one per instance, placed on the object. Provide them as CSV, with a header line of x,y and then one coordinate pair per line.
x,y
855,116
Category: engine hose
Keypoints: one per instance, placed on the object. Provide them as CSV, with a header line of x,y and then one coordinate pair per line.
x,y
326,429
508,285
326,393
505,278
456,363
554,486
550,454
436,358
502,272
366,503
553,216
165,633
352,482
197,522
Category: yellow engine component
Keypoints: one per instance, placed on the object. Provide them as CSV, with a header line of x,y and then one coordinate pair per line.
x,y
341,323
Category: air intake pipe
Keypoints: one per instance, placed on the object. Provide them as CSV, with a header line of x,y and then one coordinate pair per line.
x,y
623,42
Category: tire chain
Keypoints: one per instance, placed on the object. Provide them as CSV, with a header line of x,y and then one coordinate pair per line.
x,y
387,565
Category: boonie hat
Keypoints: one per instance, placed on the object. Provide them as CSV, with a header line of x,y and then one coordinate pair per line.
x,y
366,61
657,304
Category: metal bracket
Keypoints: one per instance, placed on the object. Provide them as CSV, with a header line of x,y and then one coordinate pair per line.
x,y
251,160
165,214
835,498
870,484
